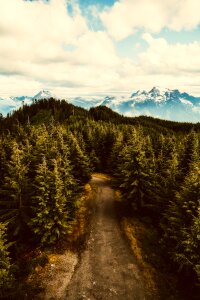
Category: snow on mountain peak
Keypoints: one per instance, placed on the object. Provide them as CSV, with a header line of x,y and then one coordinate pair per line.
x,y
156,94
44,94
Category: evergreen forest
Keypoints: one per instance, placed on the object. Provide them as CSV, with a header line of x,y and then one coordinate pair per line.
x,y
50,149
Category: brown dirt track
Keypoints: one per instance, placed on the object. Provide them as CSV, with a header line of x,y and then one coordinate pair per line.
x,y
107,267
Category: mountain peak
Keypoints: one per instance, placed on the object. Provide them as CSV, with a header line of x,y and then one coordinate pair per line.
x,y
158,91
154,92
139,93
44,94
155,89
176,92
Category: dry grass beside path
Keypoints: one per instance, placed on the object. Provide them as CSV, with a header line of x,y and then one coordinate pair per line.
x,y
131,229
102,176
143,240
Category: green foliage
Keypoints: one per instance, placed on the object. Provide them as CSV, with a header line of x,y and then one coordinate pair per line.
x,y
189,256
161,178
80,162
180,224
190,153
193,244
6,278
135,169
51,218
14,201
49,149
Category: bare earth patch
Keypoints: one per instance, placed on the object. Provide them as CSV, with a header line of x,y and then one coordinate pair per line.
x,y
57,275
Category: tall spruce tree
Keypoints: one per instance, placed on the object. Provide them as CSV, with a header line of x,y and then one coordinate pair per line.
x,y
179,217
6,278
15,200
51,219
133,169
166,182
192,245
80,163
70,185
41,201
190,152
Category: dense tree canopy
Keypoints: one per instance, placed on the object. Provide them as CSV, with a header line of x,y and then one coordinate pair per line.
x,y
49,149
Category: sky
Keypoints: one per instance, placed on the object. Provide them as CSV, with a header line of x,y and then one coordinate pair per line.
x,y
93,47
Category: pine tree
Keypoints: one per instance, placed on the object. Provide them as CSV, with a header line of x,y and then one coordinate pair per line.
x,y
41,200
6,151
180,215
189,154
69,183
51,217
189,197
3,162
6,278
166,182
15,202
114,155
133,169
80,162
193,244
59,218
37,145
95,164
189,257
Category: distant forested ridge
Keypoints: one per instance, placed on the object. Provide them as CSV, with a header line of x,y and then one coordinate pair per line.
x,y
48,151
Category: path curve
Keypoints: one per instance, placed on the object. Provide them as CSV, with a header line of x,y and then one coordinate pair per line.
x,y
107,269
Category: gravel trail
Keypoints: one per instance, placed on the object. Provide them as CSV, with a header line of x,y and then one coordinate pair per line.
x,y
107,268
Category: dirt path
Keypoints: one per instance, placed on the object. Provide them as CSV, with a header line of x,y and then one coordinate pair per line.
x,y
107,268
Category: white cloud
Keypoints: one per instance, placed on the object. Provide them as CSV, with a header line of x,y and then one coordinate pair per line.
x,y
126,16
164,58
38,21
169,65
32,32
18,85
42,46
96,48
187,15
34,39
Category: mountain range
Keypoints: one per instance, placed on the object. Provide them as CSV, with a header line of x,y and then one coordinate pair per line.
x,y
161,103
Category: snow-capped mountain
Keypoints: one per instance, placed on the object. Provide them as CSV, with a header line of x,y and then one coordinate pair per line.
x,y
161,103
44,94
158,102
85,102
21,98
14,102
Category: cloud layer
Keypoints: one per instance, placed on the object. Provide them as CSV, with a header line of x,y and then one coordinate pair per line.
x,y
43,45
126,16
